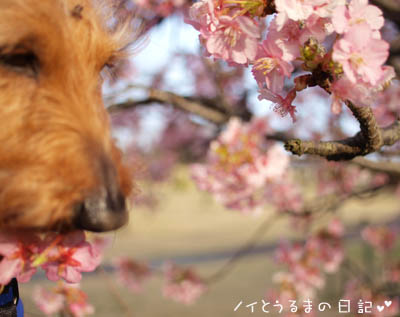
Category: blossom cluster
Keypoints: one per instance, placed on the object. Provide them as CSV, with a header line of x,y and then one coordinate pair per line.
x,y
381,238
182,285
64,298
131,273
339,42
61,256
242,172
385,306
336,178
308,262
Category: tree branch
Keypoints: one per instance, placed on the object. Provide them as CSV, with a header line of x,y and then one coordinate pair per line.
x,y
371,134
183,103
391,168
370,139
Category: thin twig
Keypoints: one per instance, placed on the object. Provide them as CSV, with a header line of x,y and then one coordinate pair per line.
x,y
245,249
183,103
392,168
113,290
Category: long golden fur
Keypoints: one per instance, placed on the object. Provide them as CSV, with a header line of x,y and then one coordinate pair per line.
x,y
57,156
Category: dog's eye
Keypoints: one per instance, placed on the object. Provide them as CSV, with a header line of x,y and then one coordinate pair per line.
x,y
26,63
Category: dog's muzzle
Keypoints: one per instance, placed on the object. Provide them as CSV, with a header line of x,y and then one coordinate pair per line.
x,y
104,211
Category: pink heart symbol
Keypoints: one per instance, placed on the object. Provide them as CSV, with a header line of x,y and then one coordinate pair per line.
x,y
380,308
388,303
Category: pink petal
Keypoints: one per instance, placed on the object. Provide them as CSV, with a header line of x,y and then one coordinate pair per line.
x,y
8,270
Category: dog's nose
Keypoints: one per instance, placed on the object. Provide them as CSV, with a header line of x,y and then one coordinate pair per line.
x,y
106,208
102,212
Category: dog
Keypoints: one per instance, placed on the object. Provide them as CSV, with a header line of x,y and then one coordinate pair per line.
x,y
60,168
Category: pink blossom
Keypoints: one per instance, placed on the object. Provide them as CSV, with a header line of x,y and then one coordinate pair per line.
x,y
48,302
288,37
70,257
182,285
233,130
235,39
360,55
357,12
344,89
380,237
59,255
269,66
355,291
286,196
325,8
202,16
387,106
76,300
18,252
337,178
232,38
295,9
301,10
131,273
307,263
335,228
81,309
240,169
64,298
271,167
360,93
282,105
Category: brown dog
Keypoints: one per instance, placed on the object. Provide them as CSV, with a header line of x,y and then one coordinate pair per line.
x,y
59,167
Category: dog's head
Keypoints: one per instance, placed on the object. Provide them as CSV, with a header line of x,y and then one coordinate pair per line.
x,y
59,166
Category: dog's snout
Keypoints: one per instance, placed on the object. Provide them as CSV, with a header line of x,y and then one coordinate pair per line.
x,y
106,208
101,212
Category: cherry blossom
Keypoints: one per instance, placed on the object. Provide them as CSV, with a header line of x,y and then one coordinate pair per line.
x,y
18,251
288,37
295,9
387,106
60,255
345,89
286,196
357,12
307,263
131,273
70,257
361,55
202,16
239,172
283,106
48,302
380,237
269,66
64,298
356,290
182,285
235,39
300,10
